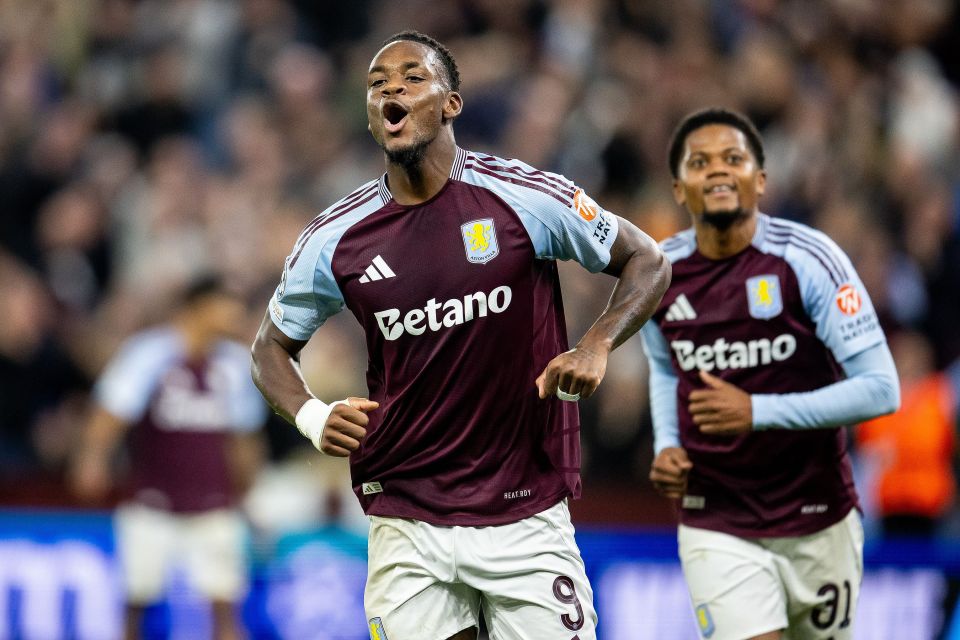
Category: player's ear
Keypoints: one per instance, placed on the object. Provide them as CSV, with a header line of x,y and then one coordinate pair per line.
x,y
452,106
678,196
761,182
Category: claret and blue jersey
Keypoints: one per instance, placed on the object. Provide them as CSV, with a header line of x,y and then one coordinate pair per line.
x,y
183,411
777,318
460,302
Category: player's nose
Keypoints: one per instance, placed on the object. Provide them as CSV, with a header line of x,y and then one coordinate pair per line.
x,y
717,171
393,88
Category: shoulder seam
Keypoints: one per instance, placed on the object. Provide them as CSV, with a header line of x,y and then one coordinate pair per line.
x,y
822,252
357,193
814,238
674,241
816,256
517,166
678,242
332,214
515,176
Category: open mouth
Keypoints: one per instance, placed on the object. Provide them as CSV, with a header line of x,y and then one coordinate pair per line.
x,y
394,116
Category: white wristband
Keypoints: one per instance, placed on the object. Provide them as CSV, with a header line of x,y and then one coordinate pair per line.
x,y
312,418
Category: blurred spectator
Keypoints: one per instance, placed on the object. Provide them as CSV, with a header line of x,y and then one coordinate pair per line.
x,y
184,389
160,111
38,379
913,450
74,247
35,171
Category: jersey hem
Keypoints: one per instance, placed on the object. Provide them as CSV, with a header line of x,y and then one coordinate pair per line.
x,y
475,520
781,531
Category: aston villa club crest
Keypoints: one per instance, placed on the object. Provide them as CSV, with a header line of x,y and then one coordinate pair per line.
x,y
480,240
764,296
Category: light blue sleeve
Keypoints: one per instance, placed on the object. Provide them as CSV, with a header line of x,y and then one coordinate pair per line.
x,y
130,378
248,411
308,293
563,222
834,297
663,389
871,389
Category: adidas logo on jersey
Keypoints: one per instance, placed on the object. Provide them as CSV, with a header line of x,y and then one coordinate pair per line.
x,y
681,309
733,355
437,315
378,270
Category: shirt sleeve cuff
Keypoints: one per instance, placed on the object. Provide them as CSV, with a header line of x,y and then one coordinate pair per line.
x,y
664,442
763,408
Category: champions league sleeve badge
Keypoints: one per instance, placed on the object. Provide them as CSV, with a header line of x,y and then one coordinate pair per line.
x,y
764,297
480,240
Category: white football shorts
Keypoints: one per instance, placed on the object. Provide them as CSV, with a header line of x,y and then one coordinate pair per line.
x,y
806,585
428,582
210,546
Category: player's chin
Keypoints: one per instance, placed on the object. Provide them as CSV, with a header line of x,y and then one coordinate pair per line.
x,y
723,219
724,211
406,152
397,143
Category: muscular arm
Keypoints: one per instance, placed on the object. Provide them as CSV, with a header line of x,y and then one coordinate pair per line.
x,y
644,275
276,370
334,429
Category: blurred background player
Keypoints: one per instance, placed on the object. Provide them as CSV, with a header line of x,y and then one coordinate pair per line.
x,y
465,454
764,346
184,391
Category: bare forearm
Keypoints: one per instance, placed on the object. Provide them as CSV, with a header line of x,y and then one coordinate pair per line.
x,y
644,279
276,372
247,452
279,379
102,434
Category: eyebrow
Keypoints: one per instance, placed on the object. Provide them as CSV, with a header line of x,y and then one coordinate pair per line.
x,y
726,150
406,66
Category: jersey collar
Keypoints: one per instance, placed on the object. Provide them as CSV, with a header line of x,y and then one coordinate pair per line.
x,y
456,172
760,233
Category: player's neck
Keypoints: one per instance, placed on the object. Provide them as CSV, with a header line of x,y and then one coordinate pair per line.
x,y
411,185
717,244
196,341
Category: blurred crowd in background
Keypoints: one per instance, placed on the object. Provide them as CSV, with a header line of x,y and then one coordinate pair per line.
x,y
146,142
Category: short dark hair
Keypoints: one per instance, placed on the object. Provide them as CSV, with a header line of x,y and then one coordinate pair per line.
x,y
449,64
203,286
713,115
